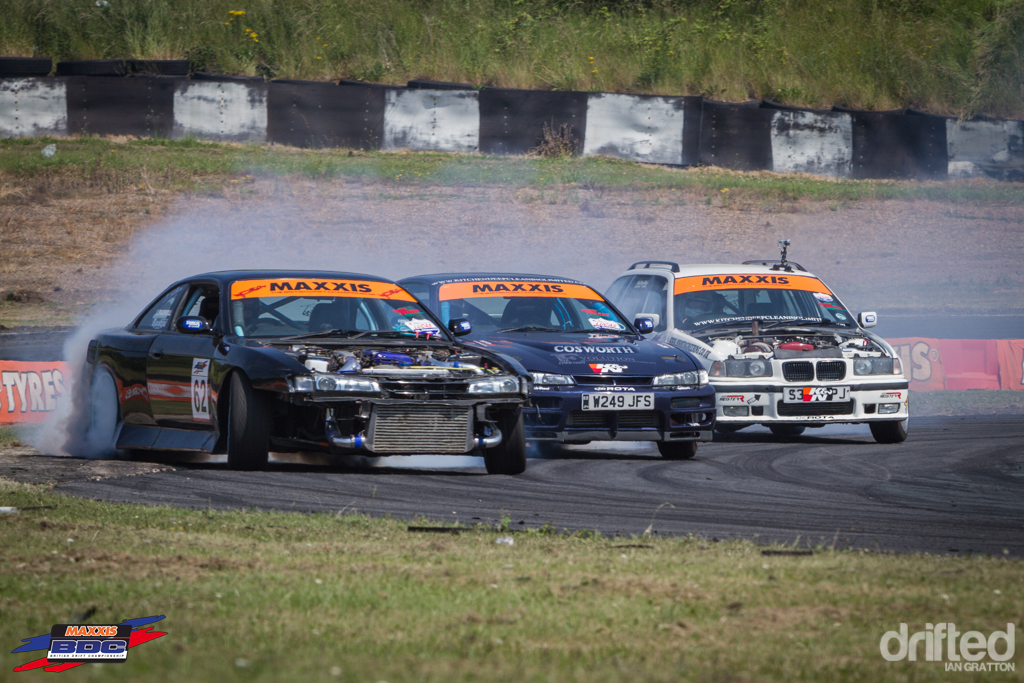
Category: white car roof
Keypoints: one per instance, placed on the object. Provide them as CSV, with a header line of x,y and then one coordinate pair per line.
x,y
691,270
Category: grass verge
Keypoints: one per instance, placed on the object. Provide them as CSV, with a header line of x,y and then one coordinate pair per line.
x,y
150,167
279,596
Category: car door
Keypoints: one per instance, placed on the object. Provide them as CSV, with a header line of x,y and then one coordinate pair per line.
x,y
178,367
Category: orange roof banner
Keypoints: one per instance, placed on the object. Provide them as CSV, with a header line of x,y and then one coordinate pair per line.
x,y
753,281
368,289
468,290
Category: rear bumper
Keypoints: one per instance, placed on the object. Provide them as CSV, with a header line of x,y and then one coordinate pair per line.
x,y
557,416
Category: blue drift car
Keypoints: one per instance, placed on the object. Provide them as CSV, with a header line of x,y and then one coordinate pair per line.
x,y
595,378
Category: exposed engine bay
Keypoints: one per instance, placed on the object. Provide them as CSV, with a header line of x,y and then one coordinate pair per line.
x,y
790,343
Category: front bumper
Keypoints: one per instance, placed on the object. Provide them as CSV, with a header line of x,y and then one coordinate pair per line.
x,y
556,414
743,403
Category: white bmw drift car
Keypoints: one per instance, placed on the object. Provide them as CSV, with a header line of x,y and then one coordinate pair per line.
x,y
780,347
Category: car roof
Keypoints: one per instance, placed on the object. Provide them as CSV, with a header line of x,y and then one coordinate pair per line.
x,y
442,278
690,270
225,277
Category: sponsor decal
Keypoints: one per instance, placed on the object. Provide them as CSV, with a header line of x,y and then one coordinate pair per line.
x,y
160,318
753,399
892,396
247,289
201,389
568,359
788,281
29,391
820,296
569,348
408,311
606,368
590,311
840,316
417,325
602,324
962,651
506,288
607,388
732,398
71,645
834,307
692,348
193,324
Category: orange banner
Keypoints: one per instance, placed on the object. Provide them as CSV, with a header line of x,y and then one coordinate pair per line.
x,y
1010,355
468,290
29,391
758,281
371,289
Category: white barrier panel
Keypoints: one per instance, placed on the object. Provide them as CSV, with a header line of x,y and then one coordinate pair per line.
x,y
33,107
808,142
648,129
438,120
212,110
979,148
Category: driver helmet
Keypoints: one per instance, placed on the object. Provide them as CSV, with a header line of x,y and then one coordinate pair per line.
x,y
697,304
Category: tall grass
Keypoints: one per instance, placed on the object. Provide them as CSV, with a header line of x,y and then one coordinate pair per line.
x,y
956,57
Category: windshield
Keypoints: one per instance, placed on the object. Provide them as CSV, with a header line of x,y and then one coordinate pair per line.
x,y
526,306
299,306
720,300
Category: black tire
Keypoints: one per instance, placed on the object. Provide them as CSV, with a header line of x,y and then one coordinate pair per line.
x,y
890,432
787,430
727,428
508,457
248,426
92,67
677,450
25,67
101,434
159,67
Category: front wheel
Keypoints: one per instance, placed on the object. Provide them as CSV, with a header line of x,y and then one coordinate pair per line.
x,y
677,450
787,430
890,432
248,426
509,456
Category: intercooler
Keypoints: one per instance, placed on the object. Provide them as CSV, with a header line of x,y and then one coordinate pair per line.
x,y
410,429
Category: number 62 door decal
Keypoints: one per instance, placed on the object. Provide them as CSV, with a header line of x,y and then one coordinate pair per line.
x,y
201,389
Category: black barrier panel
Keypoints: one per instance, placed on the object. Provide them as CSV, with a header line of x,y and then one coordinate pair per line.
x,y
693,108
420,84
779,106
219,78
736,137
512,121
25,67
311,114
346,81
92,67
158,67
142,106
898,146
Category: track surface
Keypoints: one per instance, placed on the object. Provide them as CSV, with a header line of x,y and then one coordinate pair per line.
x,y
957,485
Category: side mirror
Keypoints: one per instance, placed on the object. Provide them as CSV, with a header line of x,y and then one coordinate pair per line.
x,y
192,324
867,319
646,322
459,327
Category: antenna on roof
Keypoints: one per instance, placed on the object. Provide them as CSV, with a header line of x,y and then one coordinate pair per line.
x,y
783,247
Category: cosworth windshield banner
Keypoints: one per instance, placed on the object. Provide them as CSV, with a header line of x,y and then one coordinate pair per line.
x,y
313,287
467,290
759,281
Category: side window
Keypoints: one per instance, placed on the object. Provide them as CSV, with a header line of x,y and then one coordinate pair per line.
x,y
644,294
420,291
158,317
204,301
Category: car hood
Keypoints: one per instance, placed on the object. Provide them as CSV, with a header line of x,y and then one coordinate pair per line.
x,y
583,354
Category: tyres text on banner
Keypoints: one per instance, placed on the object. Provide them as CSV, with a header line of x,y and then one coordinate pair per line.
x,y
29,391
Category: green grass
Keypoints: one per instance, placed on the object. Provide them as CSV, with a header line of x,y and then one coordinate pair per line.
x,y
83,164
9,436
279,596
950,56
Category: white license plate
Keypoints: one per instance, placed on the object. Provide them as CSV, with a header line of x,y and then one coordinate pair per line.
x,y
618,401
817,394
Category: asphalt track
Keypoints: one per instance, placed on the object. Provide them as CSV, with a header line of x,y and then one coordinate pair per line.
x,y
955,486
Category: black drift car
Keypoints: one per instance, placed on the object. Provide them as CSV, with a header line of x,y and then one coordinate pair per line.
x,y
248,362
594,377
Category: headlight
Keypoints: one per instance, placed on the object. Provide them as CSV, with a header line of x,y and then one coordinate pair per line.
x,y
742,368
873,366
692,378
307,383
495,385
548,378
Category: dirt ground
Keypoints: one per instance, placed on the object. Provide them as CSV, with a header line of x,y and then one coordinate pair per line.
x,y
893,256
27,465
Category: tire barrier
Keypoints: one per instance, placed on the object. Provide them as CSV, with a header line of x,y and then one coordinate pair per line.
x,y
31,390
155,99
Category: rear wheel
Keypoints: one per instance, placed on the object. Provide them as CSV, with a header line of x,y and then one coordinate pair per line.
x,y
890,432
104,415
248,426
787,430
508,457
677,450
